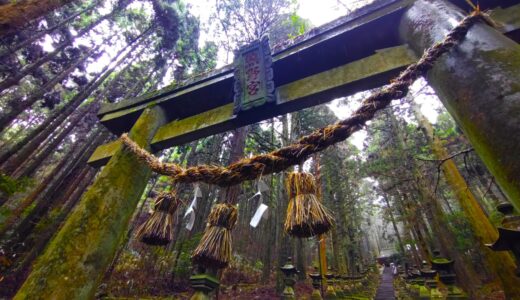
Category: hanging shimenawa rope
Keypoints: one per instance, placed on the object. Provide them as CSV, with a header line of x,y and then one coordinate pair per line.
x,y
306,215
158,229
283,158
214,248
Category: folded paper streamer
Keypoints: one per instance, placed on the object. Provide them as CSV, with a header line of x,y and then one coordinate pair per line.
x,y
262,187
261,211
262,208
190,212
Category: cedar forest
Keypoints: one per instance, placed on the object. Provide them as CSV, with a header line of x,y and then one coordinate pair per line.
x,y
421,203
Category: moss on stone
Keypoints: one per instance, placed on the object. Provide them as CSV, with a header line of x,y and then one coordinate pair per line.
x,y
75,260
441,261
104,152
193,123
383,61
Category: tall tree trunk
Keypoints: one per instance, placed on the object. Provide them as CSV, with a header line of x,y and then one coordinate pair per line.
x,y
483,94
270,228
502,263
392,219
19,274
15,15
411,226
29,199
236,152
42,33
12,164
18,105
80,252
46,200
283,242
32,67
25,147
466,273
433,210
29,167
416,259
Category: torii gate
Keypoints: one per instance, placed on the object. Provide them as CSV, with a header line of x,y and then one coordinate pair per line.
x,y
478,82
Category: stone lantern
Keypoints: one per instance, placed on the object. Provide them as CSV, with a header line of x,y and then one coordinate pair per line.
x,y
429,281
204,285
345,281
316,285
289,271
444,268
509,233
337,286
330,293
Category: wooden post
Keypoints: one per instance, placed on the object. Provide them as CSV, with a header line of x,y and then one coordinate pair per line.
x,y
478,82
76,259
322,252
323,262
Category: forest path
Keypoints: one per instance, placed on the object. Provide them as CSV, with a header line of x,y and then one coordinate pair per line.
x,y
385,291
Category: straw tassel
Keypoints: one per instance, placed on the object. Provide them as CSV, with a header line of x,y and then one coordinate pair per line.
x,y
214,249
158,229
306,215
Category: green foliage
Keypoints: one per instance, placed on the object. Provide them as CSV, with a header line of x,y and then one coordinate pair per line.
x,y
445,127
241,271
496,217
242,21
206,58
183,267
461,228
259,265
85,20
47,220
11,186
299,25
167,18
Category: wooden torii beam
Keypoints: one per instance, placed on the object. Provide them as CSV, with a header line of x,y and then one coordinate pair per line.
x,y
360,51
340,59
344,57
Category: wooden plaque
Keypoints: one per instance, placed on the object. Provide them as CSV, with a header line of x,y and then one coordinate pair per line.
x,y
254,84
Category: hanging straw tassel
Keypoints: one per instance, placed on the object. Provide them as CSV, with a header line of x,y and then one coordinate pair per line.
x,y
214,249
306,215
158,229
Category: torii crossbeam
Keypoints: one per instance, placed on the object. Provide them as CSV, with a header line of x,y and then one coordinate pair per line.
x,y
356,53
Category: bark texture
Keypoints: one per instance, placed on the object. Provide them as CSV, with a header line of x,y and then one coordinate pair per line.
x,y
15,15
478,82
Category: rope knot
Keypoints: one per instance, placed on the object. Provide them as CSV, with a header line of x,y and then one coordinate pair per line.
x,y
223,215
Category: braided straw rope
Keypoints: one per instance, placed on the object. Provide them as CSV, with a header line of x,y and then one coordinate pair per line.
x,y
283,158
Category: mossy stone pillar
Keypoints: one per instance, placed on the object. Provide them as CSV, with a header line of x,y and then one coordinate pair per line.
x,y
479,83
204,285
75,261
330,293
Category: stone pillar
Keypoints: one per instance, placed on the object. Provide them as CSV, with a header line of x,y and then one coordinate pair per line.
x,y
316,285
289,271
75,261
478,82
204,285
330,293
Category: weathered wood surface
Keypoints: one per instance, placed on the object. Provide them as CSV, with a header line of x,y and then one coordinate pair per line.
x,y
370,72
352,54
